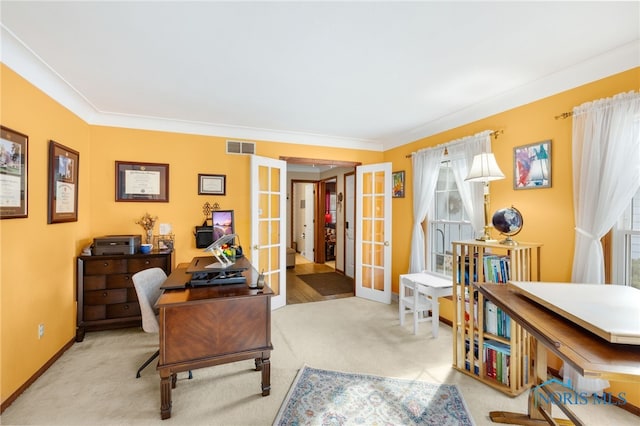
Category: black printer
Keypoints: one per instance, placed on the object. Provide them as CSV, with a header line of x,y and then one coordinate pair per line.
x,y
117,244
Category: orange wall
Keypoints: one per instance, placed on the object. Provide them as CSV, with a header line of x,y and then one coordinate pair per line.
x,y
548,213
46,294
36,260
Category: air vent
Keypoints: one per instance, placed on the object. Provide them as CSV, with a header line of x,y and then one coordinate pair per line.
x,y
241,147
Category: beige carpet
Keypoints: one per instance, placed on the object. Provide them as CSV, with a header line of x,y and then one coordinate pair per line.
x,y
94,382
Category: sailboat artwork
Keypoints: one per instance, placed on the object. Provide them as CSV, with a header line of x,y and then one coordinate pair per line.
x,y
532,166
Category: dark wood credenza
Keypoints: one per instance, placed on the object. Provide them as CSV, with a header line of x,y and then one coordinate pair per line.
x,y
105,293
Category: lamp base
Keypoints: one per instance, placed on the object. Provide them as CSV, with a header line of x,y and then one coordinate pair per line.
x,y
486,239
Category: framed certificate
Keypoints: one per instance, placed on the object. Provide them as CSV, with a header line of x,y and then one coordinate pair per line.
x,y
13,174
212,184
63,183
142,182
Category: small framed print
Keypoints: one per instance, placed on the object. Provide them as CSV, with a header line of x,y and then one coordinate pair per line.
x,y
212,184
532,166
142,182
13,174
63,183
398,184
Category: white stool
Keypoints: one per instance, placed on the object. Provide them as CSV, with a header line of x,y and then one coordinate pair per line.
x,y
425,290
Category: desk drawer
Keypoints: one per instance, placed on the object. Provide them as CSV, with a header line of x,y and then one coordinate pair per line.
x,y
119,281
105,266
140,264
105,297
121,310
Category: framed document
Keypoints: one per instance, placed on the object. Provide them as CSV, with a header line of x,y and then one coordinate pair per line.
x,y
212,184
13,174
142,182
63,183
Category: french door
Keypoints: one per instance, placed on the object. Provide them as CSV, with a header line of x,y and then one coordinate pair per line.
x,y
373,232
268,227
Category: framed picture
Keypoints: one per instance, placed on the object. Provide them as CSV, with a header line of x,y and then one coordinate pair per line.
x,y
13,173
532,166
398,184
212,184
63,183
142,182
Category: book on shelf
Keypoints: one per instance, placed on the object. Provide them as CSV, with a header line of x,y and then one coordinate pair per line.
x,y
496,321
476,359
497,359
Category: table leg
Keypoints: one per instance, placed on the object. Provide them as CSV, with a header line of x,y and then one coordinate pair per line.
x,y
435,315
266,376
165,394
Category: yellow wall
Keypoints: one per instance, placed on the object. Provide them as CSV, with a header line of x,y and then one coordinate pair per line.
x,y
548,213
37,267
46,294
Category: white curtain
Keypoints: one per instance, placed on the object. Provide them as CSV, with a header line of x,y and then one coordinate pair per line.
x,y
426,166
606,175
471,193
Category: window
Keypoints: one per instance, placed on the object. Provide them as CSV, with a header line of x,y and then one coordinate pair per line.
x,y
626,249
447,222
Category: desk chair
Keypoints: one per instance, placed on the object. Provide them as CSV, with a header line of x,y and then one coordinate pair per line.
x,y
413,298
147,284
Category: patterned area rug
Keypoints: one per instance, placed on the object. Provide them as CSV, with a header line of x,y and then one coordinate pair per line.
x,y
328,283
322,397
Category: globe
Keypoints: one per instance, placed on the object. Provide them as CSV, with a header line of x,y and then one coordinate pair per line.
x,y
508,221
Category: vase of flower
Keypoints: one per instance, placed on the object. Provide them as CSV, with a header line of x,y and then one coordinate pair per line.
x,y
148,222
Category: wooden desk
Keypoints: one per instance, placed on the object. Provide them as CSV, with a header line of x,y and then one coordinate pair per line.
x,y
589,354
206,326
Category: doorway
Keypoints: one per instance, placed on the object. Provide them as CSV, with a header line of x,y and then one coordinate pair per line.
x,y
326,231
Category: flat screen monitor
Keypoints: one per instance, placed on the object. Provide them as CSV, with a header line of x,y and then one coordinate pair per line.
x,y
222,223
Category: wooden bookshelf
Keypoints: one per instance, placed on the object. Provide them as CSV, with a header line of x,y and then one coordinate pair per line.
x,y
487,345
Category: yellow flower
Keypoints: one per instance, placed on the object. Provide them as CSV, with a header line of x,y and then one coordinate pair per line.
x,y
147,222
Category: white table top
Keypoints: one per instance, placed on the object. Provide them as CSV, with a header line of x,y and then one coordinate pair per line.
x,y
429,280
610,311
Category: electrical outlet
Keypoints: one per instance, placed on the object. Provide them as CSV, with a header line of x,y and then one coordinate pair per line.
x,y
40,331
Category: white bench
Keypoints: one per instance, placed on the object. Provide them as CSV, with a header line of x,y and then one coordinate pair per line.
x,y
432,287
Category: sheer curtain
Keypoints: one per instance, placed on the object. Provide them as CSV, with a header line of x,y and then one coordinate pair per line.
x,y
426,166
471,193
606,175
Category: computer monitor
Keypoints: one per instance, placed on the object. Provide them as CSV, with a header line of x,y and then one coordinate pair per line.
x,y
222,223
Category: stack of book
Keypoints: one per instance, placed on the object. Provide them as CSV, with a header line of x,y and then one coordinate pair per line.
x,y
497,358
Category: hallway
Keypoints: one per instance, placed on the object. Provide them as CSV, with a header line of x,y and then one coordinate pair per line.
x,y
300,292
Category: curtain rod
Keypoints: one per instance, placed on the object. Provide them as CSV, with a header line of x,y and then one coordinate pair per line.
x,y
563,115
495,135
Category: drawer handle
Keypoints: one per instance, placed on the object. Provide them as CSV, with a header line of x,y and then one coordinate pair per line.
x,y
105,294
126,277
146,262
106,264
125,307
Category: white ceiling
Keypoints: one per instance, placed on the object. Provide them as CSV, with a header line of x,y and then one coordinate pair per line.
x,y
352,74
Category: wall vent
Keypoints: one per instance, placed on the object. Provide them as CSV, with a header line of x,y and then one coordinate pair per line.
x,y
241,147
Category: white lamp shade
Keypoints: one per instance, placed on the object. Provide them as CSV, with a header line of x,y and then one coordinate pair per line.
x,y
484,168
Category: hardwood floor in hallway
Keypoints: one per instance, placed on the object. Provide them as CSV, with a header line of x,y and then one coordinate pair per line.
x,y
300,292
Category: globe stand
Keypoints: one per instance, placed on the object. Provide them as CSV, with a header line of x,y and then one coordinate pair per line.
x,y
509,242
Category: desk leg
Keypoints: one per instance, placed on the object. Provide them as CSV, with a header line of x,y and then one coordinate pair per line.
x,y
539,410
435,315
266,375
166,379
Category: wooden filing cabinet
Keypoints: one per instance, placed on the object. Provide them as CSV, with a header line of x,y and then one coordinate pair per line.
x,y
105,293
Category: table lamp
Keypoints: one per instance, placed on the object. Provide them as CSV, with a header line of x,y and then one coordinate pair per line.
x,y
485,169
